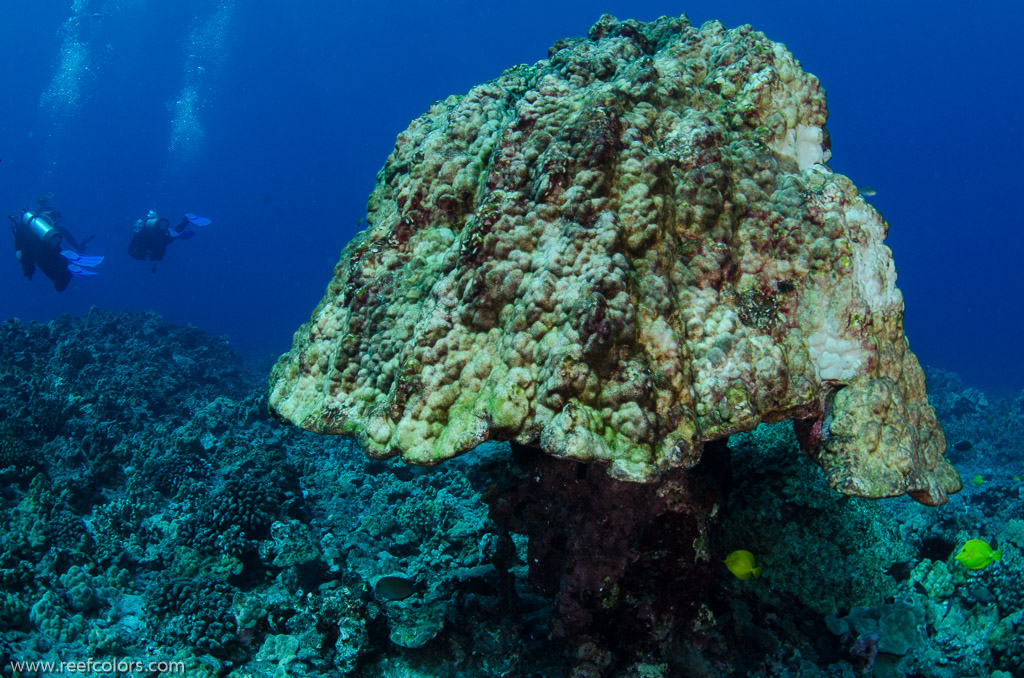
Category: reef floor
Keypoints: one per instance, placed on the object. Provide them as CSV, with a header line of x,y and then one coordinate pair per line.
x,y
152,512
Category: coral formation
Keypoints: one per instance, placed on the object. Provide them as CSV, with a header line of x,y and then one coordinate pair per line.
x,y
151,508
619,254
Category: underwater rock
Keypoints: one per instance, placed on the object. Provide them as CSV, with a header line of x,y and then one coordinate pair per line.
x,y
618,254
625,563
882,640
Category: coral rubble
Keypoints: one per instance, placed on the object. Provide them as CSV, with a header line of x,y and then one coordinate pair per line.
x,y
619,254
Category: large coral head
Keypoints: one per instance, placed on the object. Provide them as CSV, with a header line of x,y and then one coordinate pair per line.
x,y
618,254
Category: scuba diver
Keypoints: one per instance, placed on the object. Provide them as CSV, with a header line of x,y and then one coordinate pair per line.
x,y
38,236
152,234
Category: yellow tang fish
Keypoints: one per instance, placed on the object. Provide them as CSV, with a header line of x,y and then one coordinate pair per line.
x,y
741,564
976,554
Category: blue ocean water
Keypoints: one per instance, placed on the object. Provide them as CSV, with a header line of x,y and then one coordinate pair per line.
x,y
150,507
273,118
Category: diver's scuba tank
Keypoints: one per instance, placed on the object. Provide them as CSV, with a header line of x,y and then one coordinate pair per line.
x,y
41,229
154,220
157,222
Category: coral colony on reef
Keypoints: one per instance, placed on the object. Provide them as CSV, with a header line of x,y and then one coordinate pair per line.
x,y
619,293
617,255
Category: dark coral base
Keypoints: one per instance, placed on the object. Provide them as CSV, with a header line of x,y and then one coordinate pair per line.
x,y
625,563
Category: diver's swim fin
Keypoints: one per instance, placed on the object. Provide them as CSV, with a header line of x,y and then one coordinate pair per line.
x,y
197,220
86,260
80,272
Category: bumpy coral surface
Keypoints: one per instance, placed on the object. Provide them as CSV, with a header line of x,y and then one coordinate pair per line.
x,y
618,254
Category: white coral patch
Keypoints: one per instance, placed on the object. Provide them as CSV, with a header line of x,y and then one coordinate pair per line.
x,y
835,357
803,144
874,272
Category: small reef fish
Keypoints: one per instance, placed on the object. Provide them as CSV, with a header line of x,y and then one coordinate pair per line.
x,y
978,480
394,588
868,191
976,554
963,445
741,564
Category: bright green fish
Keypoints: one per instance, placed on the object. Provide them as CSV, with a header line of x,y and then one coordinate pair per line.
x,y
978,480
741,564
976,554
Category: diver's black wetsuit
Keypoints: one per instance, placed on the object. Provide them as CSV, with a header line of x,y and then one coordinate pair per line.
x,y
33,252
151,237
70,239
